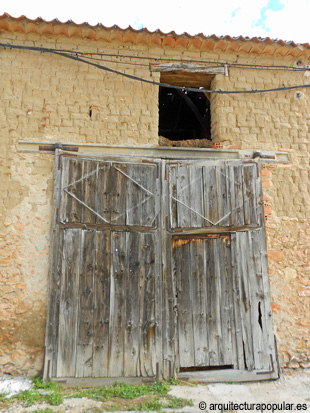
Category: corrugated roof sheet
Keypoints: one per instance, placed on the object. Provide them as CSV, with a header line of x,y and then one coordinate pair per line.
x,y
254,45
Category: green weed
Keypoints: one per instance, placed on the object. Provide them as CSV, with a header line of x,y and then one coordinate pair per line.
x,y
50,385
149,397
123,391
54,398
174,381
28,397
153,404
178,403
114,408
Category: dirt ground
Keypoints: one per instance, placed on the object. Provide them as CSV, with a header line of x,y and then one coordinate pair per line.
x,y
293,389
290,393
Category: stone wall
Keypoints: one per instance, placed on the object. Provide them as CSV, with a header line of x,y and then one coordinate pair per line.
x,y
50,98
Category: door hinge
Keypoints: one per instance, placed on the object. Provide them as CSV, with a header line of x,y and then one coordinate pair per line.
x,y
58,145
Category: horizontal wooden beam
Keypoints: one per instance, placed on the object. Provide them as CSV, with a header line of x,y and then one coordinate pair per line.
x,y
175,67
227,375
159,152
207,231
88,382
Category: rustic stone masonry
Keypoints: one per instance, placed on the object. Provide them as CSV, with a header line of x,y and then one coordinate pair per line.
x,y
49,98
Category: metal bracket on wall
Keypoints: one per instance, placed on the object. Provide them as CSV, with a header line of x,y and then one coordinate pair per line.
x,y
154,151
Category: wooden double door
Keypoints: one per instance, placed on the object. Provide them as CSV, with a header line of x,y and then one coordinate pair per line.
x,y
157,268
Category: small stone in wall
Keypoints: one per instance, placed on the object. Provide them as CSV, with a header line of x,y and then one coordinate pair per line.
x,y
290,273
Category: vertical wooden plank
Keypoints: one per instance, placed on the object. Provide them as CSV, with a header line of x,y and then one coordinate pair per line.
x,y
182,273
245,303
158,300
257,300
63,196
55,269
89,191
134,195
238,186
231,193
52,326
235,256
147,306
163,252
149,180
104,184
118,194
229,302
133,297
85,338
218,301
212,302
196,190
157,199
183,195
229,189
74,209
223,210
69,288
226,318
101,304
210,194
168,308
198,302
259,198
173,205
267,314
249,195
117,303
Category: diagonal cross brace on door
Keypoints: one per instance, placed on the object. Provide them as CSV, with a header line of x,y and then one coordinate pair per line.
x,y
96,172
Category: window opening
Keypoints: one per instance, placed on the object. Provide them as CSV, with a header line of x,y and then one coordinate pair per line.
x,y
183,115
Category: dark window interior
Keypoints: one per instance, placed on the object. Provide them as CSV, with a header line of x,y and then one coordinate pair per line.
x,y
183,115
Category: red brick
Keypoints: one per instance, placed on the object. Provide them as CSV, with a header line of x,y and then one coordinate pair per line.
x,y
266,183
234,147
217,145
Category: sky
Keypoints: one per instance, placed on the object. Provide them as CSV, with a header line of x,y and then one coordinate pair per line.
x,y
278,19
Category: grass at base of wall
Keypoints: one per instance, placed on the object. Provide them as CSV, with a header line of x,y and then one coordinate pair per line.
x,y
120,396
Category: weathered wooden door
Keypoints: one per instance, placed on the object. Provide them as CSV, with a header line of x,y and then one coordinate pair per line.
x,y
106,272
219,268
158,267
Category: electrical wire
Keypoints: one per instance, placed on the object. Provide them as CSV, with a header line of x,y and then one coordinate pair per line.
x,y
117,72
165,59
98,59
